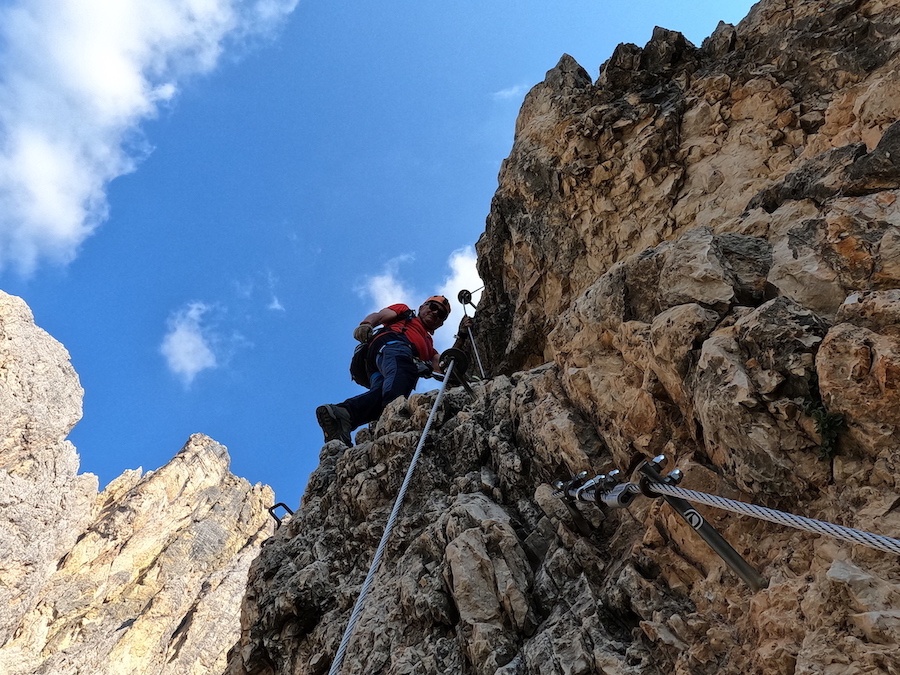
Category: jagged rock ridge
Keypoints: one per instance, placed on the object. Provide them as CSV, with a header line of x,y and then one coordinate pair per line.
x,y
145,577
697,254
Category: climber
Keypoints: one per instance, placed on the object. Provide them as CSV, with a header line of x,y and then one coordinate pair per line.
x,y
398,355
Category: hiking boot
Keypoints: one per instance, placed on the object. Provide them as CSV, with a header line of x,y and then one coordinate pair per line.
x,y
335,423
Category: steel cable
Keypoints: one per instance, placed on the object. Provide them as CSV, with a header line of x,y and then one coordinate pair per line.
x,y
392,519
854,536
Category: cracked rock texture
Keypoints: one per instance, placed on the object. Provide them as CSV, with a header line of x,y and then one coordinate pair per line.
x,y
144,577
695,254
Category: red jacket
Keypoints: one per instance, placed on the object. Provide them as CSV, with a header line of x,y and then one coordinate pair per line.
x,y
415,332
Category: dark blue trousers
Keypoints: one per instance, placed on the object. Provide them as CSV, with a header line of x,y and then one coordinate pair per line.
x,y
396,375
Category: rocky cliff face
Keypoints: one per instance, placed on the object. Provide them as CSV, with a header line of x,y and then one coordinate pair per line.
x,y
145,577
768,126
695,254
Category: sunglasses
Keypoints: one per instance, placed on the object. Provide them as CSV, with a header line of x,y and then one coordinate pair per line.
x,y
438,309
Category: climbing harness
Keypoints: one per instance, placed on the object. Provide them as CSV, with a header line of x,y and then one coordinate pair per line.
x,y
278,520
454,360
465,298
609,489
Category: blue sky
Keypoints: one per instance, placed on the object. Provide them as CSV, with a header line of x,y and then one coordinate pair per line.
x,y
201,198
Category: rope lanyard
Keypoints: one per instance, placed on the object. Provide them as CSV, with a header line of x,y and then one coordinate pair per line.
x,y
392,519
854,536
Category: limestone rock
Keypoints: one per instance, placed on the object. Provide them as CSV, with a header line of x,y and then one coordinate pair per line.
x,y
696,255
44,503
145,577
144,588
859,372
795,104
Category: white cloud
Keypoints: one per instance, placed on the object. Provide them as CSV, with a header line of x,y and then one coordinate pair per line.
x,y
275,303
463,276
515,92
77,77
387,288
187,346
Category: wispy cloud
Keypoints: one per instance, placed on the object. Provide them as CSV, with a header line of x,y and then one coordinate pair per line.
x,y
390,287
77,78
463,276
274,304
387,288
188,344
515,92
261,288
209,335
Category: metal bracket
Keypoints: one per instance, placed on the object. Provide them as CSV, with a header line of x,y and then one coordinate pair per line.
x,y
460,365
277,519
718,543
465,298
609,490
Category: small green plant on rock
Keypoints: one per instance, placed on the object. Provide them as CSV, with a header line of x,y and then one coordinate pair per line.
x,y
828,426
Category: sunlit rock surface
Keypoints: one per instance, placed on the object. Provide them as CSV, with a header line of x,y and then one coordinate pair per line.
x,y
694,253
145,577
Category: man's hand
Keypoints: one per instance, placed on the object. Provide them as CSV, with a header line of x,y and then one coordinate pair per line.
x,y
362,332
465,324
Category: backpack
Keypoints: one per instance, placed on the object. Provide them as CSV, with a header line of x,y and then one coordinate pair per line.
x,y
359,362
